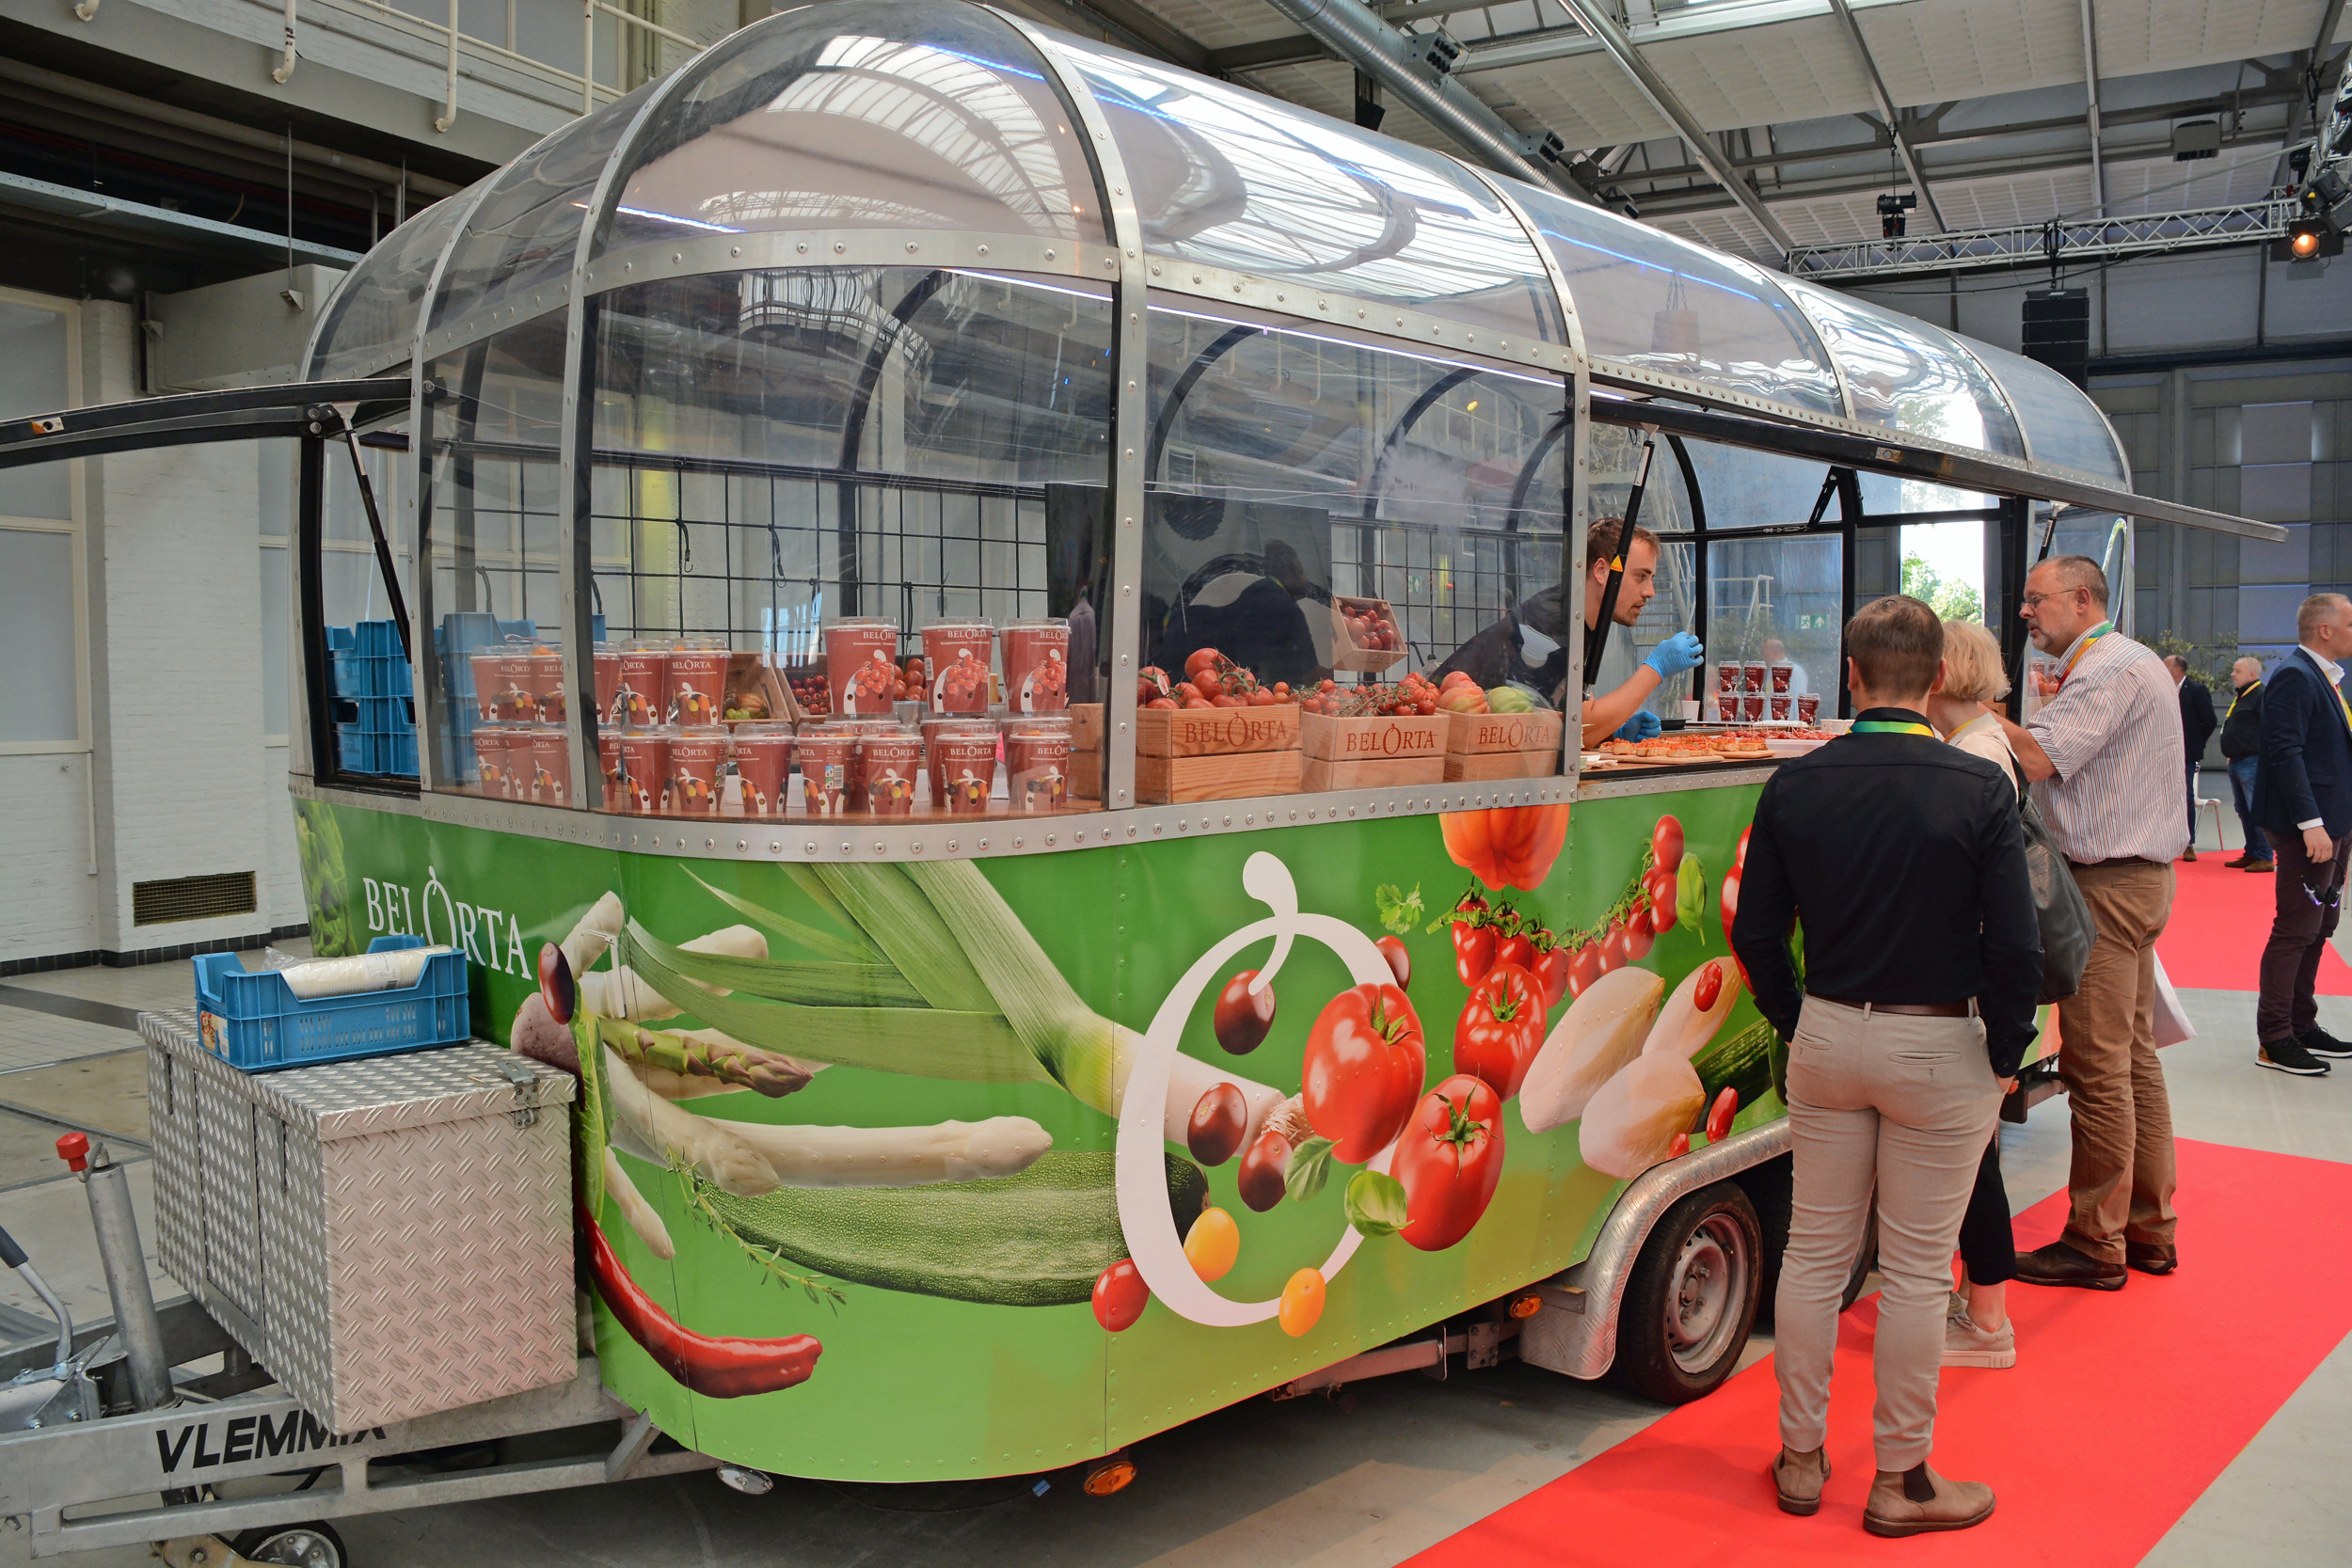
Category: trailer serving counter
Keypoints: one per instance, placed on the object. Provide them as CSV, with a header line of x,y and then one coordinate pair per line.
x,y
895,589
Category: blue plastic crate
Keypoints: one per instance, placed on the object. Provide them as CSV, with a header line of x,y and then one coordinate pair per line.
x,y
354,748
397,754
339,640
255,1021
350,673
376,639
387,714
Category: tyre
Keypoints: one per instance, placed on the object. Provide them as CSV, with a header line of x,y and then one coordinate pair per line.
x,y
1691,1300
1863,1261
310,1546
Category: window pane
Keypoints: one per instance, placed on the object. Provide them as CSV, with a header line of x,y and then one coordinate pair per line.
x,y
37,697
33,381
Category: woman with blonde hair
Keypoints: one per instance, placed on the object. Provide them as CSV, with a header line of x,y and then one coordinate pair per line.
x,y
1977,1330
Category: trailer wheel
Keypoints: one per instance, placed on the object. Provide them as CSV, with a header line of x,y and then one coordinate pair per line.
x,y
1691,1300
311,1546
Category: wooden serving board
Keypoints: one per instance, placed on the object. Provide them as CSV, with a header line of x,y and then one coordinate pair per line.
x,y
1470,766
1476,733
1373,737
1162,780
1321,773
1216,732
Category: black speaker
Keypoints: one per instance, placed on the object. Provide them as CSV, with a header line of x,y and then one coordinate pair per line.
x,y
2058,331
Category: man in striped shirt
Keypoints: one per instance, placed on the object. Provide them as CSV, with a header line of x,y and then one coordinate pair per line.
x,y
2105,752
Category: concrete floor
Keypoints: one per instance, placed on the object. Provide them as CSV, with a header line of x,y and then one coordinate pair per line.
x,y
1307,1482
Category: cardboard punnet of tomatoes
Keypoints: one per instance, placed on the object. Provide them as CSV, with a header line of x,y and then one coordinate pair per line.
x,y
1210,681
1414,694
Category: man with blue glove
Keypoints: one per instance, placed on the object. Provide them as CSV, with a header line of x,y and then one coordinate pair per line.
x,y
1622,713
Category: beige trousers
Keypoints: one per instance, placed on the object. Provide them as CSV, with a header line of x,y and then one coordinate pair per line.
x,y
1903,1105
2120,1188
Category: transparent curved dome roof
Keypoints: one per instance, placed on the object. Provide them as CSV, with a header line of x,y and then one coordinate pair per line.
x,y
884,117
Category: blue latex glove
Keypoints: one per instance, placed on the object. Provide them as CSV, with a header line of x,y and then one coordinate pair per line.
x,y
1643,725
1676,654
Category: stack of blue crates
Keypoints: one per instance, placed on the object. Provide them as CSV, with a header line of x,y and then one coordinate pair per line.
x,y
375,712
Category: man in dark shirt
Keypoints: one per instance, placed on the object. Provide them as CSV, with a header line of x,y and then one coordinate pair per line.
x,y
1904,861
2196,726
2241,747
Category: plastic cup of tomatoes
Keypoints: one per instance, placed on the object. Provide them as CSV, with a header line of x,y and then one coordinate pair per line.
x,y
643,698
1037,765
956,657
963,755
763,752
889,761
827,755
698,680
1037,666
645,756
862,671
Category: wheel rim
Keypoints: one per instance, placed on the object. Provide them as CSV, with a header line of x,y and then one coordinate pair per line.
x,y
1704,1293
296,1548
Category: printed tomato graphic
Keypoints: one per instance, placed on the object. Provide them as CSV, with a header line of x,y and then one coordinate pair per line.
x,y
1506,846
1364,1068
1501,1029
1449,1160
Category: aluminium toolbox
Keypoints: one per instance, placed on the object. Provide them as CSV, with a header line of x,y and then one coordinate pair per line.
x,y
390,1237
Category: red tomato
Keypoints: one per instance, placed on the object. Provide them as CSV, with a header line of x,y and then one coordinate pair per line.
x,y
1449,1160
1188,691
1501,1029
1162,702
1660,886
1731,899
1515,949
1615,953
1709,987
1665,845
1474,952
1364,1066
1400,961
1719,1118
1584,968
1228,700
1208,683
1552,972
1739,856
1120,1296
1263,698
1200,659
1638,935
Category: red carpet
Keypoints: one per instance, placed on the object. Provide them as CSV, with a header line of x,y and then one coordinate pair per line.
x,y
2220,919
2121,1410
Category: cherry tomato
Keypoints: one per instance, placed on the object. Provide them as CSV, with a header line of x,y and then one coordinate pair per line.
x,y
1228,700
1243,1019
1400,961
1448,1158
1211,1244
1302,1303
1188,691
1218,1121
1501,1029
1552,972
1165,704
1708,987
1659,887
1731,902
1474,952
1665,845
1719,1118
1120,1296
1639,935
1259,1177
1584,968
1364,1070
1515,949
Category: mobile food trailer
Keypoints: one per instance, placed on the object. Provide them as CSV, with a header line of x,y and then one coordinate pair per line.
x,y
920,551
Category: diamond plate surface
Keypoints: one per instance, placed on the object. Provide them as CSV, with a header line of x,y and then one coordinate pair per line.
x,y
400,1226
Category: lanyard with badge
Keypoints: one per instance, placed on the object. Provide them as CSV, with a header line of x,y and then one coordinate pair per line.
x,y
2081,648
1893,726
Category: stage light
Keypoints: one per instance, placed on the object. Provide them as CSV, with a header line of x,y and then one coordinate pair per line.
x,y
2304,240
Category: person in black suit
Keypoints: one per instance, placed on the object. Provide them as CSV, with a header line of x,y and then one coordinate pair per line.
x,y
2303,798
2242,745
2196,726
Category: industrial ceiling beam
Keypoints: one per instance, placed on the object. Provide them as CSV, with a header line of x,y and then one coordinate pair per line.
x,y
1653,86
1886,107
1129,25
2090,88
2311,63
1355,32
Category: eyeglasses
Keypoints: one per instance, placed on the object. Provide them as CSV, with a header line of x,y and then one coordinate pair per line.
x,y
2032,600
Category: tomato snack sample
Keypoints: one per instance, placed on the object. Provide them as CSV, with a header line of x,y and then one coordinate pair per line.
x,y
862,665
697,759
698,680
645,755
957,654
962,753
826,755
549,775
889,762
643,697
1037,666
763,753
1037,765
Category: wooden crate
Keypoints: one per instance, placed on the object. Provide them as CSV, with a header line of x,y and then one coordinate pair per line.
x,y
751,674
1374,737
1321,773
1478,733
1472,766
1162,780
1216,732
1086,775
1086,727
1346,652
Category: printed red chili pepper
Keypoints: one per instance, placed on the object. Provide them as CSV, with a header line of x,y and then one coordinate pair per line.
x,y
721,1368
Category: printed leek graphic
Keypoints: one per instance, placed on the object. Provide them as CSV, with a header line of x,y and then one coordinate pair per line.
x,y
918,970
320,842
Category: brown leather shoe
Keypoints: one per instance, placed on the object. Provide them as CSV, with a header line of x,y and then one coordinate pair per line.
x,y
2148,1257
2061,1265
1799,1479
2239,861
2261,865
1918,1500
